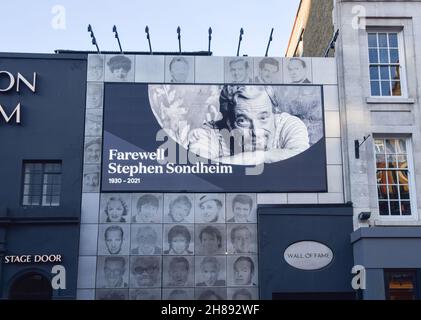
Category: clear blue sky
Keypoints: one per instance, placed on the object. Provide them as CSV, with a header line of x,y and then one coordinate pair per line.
x,y
26,25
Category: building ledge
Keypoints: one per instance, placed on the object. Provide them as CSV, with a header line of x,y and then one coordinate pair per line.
x,y
390,100
386,232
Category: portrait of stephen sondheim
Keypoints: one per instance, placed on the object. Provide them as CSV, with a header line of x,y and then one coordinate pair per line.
x,y
249,132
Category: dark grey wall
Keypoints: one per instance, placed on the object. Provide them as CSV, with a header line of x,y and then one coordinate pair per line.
x,y
385,248
279,227
52,127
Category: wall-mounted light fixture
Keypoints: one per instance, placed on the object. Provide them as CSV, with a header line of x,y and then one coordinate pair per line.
x,y
364,216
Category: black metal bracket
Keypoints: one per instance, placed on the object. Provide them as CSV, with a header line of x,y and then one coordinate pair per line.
x,y
357,146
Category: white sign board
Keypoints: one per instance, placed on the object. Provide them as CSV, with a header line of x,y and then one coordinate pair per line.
x,y
308,255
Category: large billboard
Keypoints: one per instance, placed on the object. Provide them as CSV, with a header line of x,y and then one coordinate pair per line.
x,y
213,138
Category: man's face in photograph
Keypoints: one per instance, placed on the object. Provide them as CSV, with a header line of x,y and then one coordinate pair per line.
x,y
239,71
296,70
257,124
114,241
179,71
242,240
113,270
268,72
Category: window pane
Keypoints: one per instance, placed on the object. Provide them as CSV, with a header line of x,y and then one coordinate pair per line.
x,y
374,73
394,73
25,201
406,208
395,208
391,177
384,56
27,178
373,56
375,88
383,40
391,162
52,167
403,177
393,193
384,73
401,146
382,192
36,167
47,189
404,192
396,88
402,162
381,161
381,177
385,88
379,145
394,55
55,201
56,179
372,40
28,167
391,146
383,208
56,190
393,40
36,179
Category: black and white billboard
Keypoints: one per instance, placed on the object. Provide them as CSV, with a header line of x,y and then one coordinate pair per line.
x,y
213,138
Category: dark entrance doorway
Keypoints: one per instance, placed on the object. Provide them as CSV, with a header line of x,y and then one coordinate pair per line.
x,y
31,286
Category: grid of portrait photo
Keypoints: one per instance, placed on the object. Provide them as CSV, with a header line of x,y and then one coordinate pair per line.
x,y
177,247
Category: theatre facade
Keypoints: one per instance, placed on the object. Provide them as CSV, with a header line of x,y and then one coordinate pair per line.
x,y
173,177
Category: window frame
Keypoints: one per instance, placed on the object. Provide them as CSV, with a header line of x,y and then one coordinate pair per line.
x,y
402,60
411,180
388,272
42,185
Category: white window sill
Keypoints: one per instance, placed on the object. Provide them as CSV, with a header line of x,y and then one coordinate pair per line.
x,y
395,223
389,100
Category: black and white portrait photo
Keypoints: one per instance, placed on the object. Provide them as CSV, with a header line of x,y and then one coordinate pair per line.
x,y
147,208
242,271
91,175
267,70
297,71
210,239
179,208
93,125
211,271
114,208
95,67
241,208
119,68
210,293
113,239
146,239
112,272
92,150
238,70
178,294
145,294
210,208
242,238
112,294
178,239
240,124
145,271
179,69
178,271
94,95
243,293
